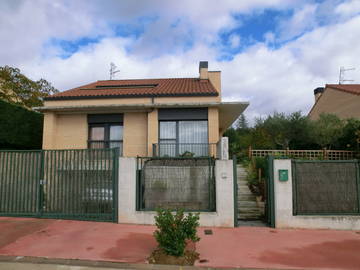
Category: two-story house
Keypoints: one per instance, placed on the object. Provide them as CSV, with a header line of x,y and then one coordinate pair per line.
x,y
142,117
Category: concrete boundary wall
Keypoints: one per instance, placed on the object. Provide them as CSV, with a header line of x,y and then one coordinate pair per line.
x,y
284,217
223,217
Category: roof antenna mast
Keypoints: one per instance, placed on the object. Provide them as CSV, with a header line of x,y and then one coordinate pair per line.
x,y
342,75
113,70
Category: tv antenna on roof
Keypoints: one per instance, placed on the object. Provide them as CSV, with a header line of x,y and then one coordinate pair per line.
x,y
113,70
342,75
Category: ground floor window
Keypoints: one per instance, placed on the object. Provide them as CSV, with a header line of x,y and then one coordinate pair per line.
x,y
177,138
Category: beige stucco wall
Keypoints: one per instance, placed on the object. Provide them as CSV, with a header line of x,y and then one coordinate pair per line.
x,y
49,130
213,124
153,130
65,131
215,79
128,101
70,131
135,134
344,105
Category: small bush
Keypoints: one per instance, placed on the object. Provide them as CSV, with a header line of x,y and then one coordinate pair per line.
x,y
175,230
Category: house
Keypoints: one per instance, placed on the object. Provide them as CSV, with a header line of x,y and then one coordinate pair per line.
x,y
142,117
340,99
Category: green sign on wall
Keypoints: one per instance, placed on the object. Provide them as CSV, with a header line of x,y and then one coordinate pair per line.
x,y
283,175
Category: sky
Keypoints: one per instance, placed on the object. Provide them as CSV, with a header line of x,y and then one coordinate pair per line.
x,y
272,53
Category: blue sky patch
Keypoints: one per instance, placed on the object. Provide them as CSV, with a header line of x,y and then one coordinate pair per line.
x,y
69,47
251,29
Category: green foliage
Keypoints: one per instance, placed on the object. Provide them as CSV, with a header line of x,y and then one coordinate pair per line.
x,y
286,131
19,127
328,129
256,175
173,230
350,139
18,89
293,131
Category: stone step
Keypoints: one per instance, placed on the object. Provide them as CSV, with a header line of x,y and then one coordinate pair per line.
x,y
249,210
246,197
247,204
249,217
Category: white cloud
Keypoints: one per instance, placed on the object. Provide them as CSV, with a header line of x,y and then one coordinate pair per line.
x,y
348,8
280,79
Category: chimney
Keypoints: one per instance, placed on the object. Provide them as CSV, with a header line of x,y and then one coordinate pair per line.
x,y
318,92
203,70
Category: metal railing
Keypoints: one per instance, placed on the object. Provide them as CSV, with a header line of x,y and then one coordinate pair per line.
x,y
184,149
94,144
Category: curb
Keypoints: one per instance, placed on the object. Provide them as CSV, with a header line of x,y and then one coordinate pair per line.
x,y
6,260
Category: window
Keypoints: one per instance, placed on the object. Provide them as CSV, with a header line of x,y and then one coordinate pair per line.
x,y
179,137
105,131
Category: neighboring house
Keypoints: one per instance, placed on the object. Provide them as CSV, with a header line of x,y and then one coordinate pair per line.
x,y
142,117
340,99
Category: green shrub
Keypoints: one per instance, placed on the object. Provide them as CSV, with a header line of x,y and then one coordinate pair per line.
x,y
174,230
19,128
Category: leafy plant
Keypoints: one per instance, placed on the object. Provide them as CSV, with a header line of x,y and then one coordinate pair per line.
x,y
174,230
16,88
256,182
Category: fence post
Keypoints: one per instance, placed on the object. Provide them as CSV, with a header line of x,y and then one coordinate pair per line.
x,y
250,152
325,153
287,152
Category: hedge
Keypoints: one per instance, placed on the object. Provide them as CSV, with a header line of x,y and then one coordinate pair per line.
x,y
19,127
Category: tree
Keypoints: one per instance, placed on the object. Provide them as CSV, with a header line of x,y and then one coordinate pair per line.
x,y
292,130
242,123
328,129
350,138
18,89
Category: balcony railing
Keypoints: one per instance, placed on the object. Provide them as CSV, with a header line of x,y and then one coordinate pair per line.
x,y
106,144
184,149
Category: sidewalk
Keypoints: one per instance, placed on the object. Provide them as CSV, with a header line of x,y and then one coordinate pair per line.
x,y
245,247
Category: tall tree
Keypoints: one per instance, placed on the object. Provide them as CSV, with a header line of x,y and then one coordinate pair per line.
x,y
328,129
16,88
242,123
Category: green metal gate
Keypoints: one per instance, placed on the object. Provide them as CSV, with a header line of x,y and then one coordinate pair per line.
x,y
68,184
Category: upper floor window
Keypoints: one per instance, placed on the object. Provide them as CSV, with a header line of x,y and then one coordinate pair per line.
x,y
105,131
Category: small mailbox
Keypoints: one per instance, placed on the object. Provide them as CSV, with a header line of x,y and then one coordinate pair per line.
x,y
283,175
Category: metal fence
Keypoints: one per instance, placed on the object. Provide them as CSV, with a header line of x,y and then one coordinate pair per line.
x,y
173,183
326,187
71,184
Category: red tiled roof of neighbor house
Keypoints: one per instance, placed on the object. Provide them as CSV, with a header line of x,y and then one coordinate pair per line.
x,y
349,88
139,88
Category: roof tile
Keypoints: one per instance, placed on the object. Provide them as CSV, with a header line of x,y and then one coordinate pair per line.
x,y
140,88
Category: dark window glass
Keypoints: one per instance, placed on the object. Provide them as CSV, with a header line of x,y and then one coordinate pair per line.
x,y
106,136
